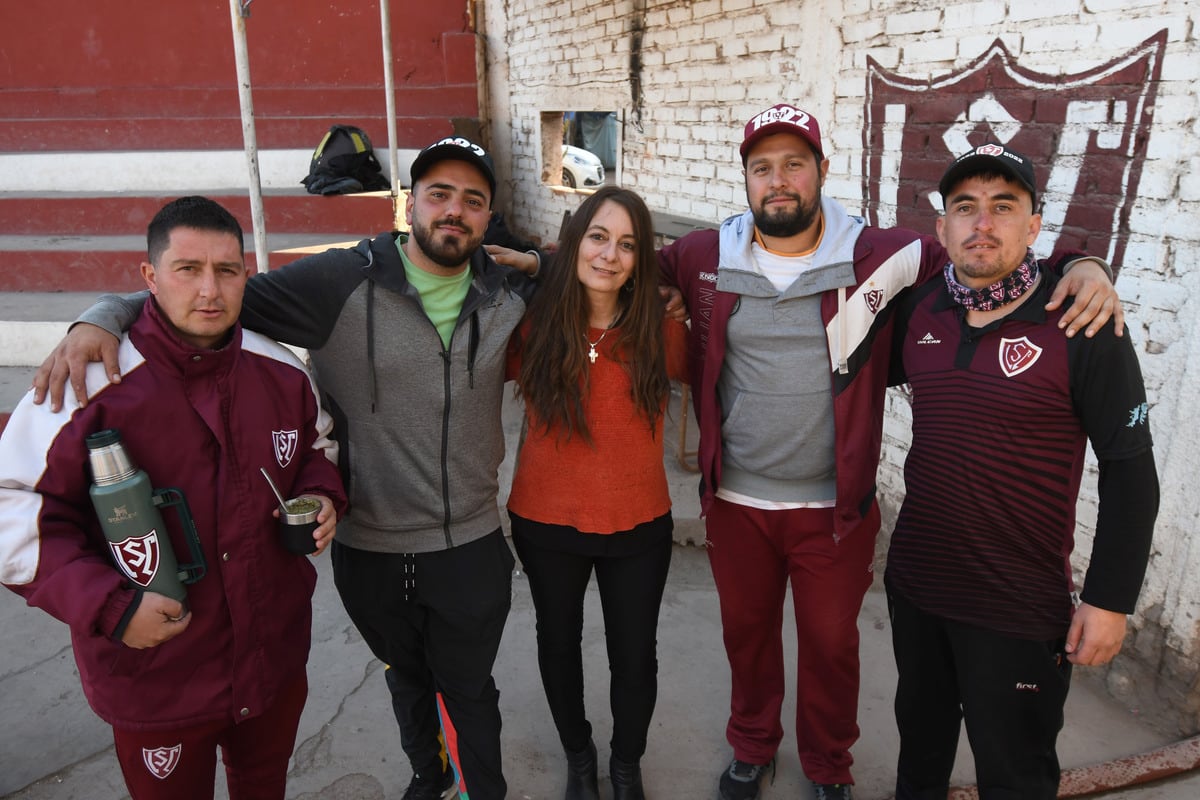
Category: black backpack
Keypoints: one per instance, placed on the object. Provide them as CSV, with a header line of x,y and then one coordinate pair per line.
x,y
344,162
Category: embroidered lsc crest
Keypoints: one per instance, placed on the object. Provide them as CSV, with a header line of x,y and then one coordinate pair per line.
x,y
1018,355
138,557
285,445
161,761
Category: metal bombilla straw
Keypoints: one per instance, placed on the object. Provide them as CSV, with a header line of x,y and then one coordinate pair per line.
x,y
275,489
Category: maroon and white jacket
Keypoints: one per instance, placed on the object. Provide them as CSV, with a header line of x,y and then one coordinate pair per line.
x,y
858,320
858,323
204,421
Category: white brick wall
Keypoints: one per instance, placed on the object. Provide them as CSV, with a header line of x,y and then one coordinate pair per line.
x,y
709,65
913,22
1038,10
972,15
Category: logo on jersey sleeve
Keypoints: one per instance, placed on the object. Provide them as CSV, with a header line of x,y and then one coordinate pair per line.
x,y
1018,355
161,761
285,445
138,557
1138,415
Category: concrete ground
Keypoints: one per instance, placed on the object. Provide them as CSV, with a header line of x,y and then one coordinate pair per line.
x,y
53,748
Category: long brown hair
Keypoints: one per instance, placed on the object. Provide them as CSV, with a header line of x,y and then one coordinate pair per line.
x,y
554,375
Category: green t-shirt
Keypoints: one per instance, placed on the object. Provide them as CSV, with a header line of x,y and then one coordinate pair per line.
x,y
442,297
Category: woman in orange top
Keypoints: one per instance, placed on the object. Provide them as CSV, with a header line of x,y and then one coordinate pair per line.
x,y
590,491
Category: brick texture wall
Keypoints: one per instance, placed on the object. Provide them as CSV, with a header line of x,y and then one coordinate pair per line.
x,y
684,76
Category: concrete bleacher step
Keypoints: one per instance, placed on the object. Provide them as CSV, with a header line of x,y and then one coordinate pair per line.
x,y
61,263
14,383
32,323
68,242
117,213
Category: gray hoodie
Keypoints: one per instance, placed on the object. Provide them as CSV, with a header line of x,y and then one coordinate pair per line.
x,y
778,434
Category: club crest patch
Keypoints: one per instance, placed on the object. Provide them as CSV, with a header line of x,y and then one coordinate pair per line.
x,y
285,446
873,299
138,557
1018,355
161,761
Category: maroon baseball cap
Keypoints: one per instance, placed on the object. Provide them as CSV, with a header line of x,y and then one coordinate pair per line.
x,y
782,118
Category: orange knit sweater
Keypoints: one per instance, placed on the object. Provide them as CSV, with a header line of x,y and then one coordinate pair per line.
x,y
618,481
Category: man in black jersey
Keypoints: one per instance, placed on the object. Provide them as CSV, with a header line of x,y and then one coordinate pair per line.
x,y
986,624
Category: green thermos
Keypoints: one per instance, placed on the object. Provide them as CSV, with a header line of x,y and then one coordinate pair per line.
x,y
128,507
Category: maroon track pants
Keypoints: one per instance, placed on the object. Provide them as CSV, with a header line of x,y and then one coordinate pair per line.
x,y
181,764
753,554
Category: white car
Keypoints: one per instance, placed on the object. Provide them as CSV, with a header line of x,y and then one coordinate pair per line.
x,y
580,168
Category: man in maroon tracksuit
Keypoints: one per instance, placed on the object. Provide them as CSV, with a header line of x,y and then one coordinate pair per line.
x,y
202,406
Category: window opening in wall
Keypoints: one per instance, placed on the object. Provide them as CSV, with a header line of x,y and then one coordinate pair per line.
x,y
581,148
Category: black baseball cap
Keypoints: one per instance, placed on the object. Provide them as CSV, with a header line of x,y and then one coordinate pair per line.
x,y
458,149
990,157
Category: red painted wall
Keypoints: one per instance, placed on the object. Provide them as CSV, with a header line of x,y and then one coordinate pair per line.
x,y
160,74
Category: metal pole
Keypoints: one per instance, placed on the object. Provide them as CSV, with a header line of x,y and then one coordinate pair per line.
x,y
239,10
389,86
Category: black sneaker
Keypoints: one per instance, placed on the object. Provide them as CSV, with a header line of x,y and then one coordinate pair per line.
x,y
430,786
832,791
742,780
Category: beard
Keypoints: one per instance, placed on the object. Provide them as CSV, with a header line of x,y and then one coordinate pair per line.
x,y
443,249
783,223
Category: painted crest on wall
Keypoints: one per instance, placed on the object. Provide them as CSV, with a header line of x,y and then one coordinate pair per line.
x,y
1086,134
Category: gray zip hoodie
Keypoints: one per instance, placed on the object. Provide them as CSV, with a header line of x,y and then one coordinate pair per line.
x,y
777,434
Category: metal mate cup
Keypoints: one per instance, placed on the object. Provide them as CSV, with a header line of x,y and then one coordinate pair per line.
x,y
297,521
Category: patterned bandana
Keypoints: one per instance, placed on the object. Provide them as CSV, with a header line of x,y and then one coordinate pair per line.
x,y
1000,293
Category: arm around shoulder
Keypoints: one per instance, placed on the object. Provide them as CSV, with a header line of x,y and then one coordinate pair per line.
x,y
300,303
682,261
114,313
675,335
1089,281
93,337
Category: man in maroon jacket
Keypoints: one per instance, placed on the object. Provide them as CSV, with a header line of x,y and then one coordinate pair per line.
x,y
203,406
792,315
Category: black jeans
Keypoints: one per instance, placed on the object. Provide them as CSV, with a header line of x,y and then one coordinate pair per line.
x,y
631,572
1009,691
436,620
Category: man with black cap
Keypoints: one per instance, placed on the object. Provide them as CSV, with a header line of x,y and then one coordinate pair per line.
x,y
407,334
986,624
789,350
